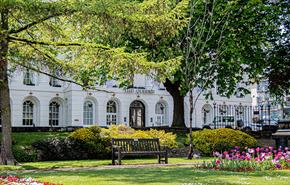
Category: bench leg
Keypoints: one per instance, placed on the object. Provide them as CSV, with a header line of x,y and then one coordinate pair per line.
x,y
159,158
113,157
166,158
113,161
119,157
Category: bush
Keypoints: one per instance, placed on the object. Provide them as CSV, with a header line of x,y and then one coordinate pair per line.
x,y
92,138
24,154
207,141
22,143
122,131
84,143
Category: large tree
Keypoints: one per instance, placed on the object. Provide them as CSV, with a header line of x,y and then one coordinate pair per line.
x,y
246,30
80,40
220,41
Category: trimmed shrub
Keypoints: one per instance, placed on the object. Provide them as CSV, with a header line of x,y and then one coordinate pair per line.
x,y
122,131
207,141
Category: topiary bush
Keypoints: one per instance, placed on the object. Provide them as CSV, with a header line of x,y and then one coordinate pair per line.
x,y
122,131
207,140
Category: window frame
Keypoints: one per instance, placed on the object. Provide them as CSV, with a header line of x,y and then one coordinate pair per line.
x,y
111,112
90,113
29,78
54,116
160,114
28,113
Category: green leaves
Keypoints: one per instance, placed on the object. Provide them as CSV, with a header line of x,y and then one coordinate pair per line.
x,y
88,40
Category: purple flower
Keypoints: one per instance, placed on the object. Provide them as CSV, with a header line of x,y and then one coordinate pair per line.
x,y
278,166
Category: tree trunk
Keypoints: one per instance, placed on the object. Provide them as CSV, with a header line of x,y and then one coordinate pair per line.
x,y
190,152
178,103
6,156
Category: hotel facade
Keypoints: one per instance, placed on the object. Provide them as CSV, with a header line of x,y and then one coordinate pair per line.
x,y
41,101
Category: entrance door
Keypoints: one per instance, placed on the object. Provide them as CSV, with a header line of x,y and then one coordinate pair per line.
x,y
137,114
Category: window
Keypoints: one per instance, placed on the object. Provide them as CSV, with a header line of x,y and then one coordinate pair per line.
x,y
29,78
111,113
54,114
28,113
88,113
160,114
53,81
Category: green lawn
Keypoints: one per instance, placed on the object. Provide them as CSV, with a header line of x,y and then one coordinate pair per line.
x,y
160,176
27,138
92,163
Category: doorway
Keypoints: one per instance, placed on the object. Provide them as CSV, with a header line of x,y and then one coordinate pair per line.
x,y
137,114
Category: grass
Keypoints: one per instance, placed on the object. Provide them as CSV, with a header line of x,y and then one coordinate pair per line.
x,y
159,176
27,138
177,175
92,163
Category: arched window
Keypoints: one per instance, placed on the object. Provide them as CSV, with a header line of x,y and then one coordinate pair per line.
x,y
88,113
27,113
160,111
111,112
54,113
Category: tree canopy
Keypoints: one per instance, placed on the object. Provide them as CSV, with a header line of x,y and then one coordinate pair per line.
x,y
84,38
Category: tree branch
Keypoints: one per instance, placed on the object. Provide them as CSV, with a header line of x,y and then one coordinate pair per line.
x,y
33,23
61,44
61,79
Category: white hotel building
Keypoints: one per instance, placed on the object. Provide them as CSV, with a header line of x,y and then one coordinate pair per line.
x,y
40,101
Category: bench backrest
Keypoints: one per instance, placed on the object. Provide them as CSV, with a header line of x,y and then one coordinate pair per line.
x,y
131,145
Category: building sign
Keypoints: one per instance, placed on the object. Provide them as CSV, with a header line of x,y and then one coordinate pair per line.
x,y
139,91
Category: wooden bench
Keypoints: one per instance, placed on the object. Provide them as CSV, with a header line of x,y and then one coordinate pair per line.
x,y
137,147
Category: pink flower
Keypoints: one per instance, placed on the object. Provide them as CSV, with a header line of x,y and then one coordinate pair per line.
x,y
216,154
217,162
251,151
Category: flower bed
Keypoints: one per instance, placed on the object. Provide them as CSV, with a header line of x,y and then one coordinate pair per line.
x,y
13,180
250,159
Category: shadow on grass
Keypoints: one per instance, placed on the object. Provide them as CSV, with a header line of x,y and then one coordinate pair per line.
x,y
165,175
